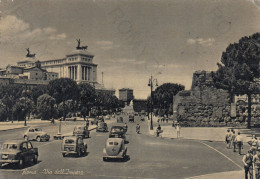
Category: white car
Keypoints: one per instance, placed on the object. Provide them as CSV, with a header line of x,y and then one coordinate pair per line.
x,y
107,117
35,133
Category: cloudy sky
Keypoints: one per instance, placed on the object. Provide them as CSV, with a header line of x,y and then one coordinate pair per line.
x,y
131,40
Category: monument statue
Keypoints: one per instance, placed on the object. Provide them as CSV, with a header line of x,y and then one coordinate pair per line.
x,y
29,54
81,47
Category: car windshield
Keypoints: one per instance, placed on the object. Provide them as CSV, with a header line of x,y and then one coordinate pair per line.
x,y
113,143
69,141
38,129
10,146
116,130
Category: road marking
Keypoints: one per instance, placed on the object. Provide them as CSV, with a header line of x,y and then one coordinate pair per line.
x,y
212,174
223,155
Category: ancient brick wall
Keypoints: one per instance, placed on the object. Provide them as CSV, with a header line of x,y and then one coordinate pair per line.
x,y
203,102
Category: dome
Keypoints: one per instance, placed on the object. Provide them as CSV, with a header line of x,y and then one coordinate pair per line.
x,y
80,52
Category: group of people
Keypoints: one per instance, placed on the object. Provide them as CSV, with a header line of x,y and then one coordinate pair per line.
x,y
234,140
251,160
163,119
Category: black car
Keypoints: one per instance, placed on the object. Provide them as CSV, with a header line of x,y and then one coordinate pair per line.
x,y
131,118
117,132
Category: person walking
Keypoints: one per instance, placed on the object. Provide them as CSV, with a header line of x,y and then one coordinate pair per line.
x,y
239,142
248,161
256,164
253,144
178,129
233,140
228,138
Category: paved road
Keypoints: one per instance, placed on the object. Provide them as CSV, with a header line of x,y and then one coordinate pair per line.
x,y
149,157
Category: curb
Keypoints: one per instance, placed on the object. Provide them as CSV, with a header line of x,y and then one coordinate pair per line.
x,y
14,128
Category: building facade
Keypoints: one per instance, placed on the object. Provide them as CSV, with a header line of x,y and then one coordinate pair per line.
x,y
126,95
77,65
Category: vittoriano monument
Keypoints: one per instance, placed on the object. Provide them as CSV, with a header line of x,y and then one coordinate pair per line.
x,y
81,47
29,54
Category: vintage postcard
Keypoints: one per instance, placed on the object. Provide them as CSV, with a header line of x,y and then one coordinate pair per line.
x,y
145,89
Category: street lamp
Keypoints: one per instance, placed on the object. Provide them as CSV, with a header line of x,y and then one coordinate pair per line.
x,y
151,83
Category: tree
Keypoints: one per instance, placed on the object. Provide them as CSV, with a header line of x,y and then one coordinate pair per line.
x,y
63,89
46,106
163,96
240,68
86,98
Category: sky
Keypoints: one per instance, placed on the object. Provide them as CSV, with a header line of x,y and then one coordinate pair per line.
x,y
131,40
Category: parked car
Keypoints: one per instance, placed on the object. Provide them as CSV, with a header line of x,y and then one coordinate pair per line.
x,y
81,131
115,148
117,132
73,145
107,117
102,127
131,118
18,152
120,120
35,133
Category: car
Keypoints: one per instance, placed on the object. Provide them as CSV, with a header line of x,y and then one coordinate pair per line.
x,y
115,148
102,127
81,130
107,117
117,132
73,145
131,118
18,152
97,120
35,133
120,120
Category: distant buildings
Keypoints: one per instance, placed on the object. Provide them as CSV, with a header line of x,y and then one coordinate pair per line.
x,y
126,95
77,65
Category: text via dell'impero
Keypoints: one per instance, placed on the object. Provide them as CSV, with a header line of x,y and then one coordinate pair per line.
x,y
53,172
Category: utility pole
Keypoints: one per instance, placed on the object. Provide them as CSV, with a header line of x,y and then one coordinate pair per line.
x,y
151,83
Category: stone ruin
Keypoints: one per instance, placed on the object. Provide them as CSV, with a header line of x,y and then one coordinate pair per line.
x,y
203,103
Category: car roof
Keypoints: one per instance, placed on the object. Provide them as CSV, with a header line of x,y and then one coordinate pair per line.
x,y
71,137
18,141
117,127
114,140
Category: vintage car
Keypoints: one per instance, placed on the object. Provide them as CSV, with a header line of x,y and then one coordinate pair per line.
x,y
107,117
131,118
35,133
18,152
120,120
81,131
73,145
102,127
115,148
97,120
117,132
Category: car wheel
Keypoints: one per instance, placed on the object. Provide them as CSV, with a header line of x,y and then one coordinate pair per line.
x,y
64,155
35,159
21,163
0,165
26,137
104,159
38,139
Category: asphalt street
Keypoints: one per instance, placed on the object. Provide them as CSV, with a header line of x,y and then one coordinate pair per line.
x,y
148,156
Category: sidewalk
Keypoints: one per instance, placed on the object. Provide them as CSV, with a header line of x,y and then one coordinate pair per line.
x,y
229,175
199,133
20,124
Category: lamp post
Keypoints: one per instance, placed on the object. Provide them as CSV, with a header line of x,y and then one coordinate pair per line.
x,y
151,83
25,124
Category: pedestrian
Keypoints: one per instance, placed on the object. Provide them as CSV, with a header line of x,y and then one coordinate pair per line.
x,y
178,129
256,164
253,144
167,119
158,120
248,161
239,142
228,138
233,140
87,124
